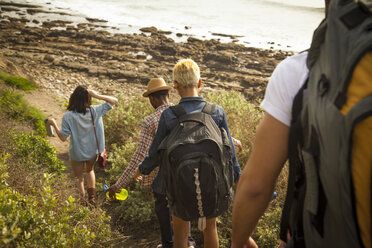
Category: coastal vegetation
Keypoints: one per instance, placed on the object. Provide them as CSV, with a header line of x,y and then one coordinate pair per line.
x,y
58,56
18,82
38,202
137,211
38,206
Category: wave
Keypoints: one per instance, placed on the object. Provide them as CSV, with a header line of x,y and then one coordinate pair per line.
x,y
312,6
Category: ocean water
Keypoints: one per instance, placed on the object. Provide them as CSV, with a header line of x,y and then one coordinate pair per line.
x,y
278,24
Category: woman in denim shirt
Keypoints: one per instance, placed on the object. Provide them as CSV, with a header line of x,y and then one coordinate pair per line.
x,y
77,122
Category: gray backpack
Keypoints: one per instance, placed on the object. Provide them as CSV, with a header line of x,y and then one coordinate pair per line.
x,y
197,160
328,202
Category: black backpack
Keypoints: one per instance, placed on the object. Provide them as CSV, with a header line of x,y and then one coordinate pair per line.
x,y
321,207
197,159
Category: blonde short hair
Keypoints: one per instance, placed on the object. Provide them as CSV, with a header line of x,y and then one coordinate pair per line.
x,y
187,73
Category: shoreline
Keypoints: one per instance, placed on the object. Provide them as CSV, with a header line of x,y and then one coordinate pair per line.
x,y
59,55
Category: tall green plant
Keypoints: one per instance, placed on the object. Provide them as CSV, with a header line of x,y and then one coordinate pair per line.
x,y
124,121
34,150
243,118
39,221
17,108
119,158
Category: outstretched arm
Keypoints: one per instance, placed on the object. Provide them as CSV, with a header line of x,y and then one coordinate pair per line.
x,y
143,145
52,122
257,182
110,99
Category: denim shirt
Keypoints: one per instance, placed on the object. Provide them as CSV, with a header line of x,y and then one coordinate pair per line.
x,y
166,123
83,144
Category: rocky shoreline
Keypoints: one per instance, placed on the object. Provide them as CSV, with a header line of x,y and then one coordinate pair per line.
x,y
59,55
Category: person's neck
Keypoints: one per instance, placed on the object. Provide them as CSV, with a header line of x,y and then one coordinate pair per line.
x,y
163,102
188,92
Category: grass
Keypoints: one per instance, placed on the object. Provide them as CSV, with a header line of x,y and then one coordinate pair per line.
x,y
18,82
39,205
17,108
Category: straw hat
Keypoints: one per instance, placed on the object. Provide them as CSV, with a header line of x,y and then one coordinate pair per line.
x,y
154,85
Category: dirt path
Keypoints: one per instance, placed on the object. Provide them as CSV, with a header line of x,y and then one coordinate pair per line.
x,y
52,106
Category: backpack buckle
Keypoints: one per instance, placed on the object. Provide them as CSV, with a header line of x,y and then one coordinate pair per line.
x,y
323,85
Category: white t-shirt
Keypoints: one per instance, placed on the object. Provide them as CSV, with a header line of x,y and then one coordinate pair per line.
x,y
286,80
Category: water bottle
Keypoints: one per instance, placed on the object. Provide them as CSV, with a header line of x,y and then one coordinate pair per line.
x,y
122,195
48,128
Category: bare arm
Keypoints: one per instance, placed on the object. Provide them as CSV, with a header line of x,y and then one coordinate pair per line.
x,y
110,99
257,182
52,122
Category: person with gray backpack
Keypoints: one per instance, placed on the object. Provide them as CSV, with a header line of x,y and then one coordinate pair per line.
x,y
198,164
327,137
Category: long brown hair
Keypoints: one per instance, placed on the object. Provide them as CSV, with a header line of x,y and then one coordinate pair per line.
x,y
79,100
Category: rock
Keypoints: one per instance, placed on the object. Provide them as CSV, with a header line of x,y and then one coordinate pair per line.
x,y
95,20
164,32
107,60
193,39
33,11
9,9
141,56
149,29
221,57
122,80
226,35
48,58
167,49
19,5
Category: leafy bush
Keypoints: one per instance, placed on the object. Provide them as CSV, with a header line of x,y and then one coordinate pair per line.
x,y
242,116
18,108
18,82
34,150
119,157
137,211
125,120
39,221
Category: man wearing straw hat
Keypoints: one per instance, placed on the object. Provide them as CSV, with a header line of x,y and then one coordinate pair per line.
x,y
158,94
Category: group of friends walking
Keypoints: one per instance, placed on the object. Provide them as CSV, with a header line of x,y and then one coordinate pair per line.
x,y
256,183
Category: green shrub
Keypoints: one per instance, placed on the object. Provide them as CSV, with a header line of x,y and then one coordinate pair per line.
x,y
242,116
18,82
40,221
137,211
17,108
34,151
119,158
125,120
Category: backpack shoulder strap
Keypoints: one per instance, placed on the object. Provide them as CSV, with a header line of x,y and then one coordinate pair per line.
x,y
209,108
178,110
294,174
317,41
